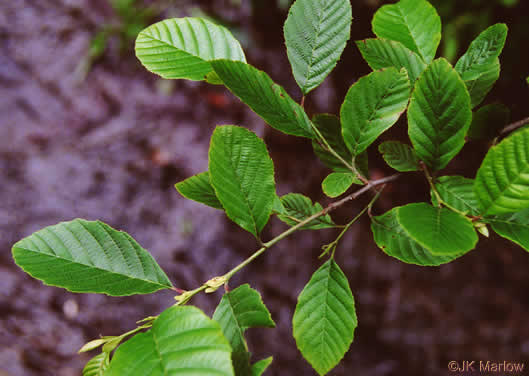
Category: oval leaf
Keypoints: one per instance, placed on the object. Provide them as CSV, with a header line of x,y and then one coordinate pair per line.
x,y
439,114
502,181
298,208
514,227
384,53
458,192
97,366
267,99
399,156
316,32
414,23
337,183
239,310
89,257
391,237
198,188
325,318
372,105
242,174
182,341
183,47
439,230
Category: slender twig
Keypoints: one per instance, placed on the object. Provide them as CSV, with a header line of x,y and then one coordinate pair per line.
x,y
184,298
302,104
515,125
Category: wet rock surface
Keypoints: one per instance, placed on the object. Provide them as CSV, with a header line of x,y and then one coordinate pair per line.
x,y
111,147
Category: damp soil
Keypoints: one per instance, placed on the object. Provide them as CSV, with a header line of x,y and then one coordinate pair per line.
x,y
111,145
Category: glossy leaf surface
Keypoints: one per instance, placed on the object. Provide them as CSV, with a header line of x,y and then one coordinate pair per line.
x,y
458,192
439,114
414,23
182,341
385,53
372,105
316,32
242,175
502,181
184,47
325,318
267,99
439,230
90,257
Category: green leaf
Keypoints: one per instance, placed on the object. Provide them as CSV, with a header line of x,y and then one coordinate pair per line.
x,y
89,257
98,365
458,192
242,174
299,207
198,188
488,121
330,128
391,237
502,181
260,367
372,105
182,341
482,51
337,183
384,53
316,32
480,85
479,67
184,47
514,227
439,114
239,310
267,99
399,156
414,23
439,230
325,318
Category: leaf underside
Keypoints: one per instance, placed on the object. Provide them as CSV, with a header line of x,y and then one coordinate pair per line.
x,y
89,257
502,181
97,366
396,242
439,114
182,341
242,174
316,32
183,47
325,318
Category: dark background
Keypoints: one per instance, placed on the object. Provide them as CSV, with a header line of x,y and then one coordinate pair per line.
x,y
108,140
